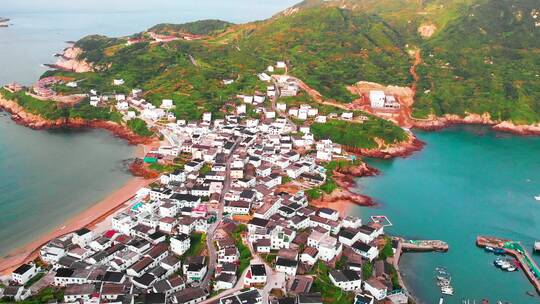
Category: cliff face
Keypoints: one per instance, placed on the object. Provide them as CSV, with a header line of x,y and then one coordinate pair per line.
x,y
69,61
36,122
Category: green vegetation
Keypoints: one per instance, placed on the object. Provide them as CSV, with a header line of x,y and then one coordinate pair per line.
x,y
52,110
359,135
387,250
485,61
138,126
483,58
46,295
367,270
201,27
285,179
33,280
45,108
245,253
330,184
322,284
269,258
205,169
164,168
198,243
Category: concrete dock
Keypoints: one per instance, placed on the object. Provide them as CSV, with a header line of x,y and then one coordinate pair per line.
x,y
424,245
515,249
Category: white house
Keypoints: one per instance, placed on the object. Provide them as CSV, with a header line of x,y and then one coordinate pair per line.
x,y
167,104
376,288
256,275
366,251
286,266
377,99
347,280
23,273
347,115
122,106
118,82
82,237
207,117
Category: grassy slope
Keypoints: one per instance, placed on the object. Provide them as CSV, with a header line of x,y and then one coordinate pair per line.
x,y
485,61
202,27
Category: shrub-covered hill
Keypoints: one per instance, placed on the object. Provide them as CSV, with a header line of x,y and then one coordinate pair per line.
x,y
478,56
202,27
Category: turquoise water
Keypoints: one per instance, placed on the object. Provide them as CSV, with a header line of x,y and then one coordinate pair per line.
x,y
465,182
48,176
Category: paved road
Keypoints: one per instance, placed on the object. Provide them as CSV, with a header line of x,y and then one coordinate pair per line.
x,y
212,254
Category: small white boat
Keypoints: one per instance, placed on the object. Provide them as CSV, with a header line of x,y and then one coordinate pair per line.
x,y
537,197
447,291
505,265
511,268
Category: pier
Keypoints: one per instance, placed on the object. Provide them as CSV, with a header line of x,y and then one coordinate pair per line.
x,y
515,249
424,245
414,246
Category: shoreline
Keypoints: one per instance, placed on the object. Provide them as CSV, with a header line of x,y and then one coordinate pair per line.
x,y
447,121
96,213
90,217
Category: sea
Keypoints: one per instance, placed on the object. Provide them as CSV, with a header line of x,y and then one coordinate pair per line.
x,y
466,181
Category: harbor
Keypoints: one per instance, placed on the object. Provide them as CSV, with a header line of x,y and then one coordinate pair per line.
x,y
515,249
442,275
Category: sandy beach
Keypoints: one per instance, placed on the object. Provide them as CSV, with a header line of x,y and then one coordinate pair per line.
x,y
99,212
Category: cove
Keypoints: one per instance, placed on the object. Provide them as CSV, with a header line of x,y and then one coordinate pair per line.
x,y
49,176
468,180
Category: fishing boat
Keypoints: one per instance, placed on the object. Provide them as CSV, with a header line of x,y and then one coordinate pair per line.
x,y
537,197
488,249
511,268
447,290
498,262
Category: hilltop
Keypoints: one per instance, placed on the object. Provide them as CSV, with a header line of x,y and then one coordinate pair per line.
x,y
460,60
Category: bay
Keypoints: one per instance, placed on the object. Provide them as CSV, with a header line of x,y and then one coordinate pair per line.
x,y
467,181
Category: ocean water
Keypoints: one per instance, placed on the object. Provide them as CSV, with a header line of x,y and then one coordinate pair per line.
x,y
45,177
48,176
465,182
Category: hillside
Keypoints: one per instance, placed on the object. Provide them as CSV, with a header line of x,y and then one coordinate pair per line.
x,y
478,56
202,27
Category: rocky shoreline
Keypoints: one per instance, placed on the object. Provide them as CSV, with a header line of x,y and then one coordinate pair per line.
x,y
36,122
343,196
438,123
69,61
403,149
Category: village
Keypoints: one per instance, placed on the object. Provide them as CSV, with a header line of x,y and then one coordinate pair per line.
x,y
221,227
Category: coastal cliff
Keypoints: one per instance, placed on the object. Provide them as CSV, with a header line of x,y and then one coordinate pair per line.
x,y
36,122
69,61
342,196
402,149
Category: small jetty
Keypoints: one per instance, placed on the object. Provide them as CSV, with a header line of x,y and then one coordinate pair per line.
x,y
515,249
424,245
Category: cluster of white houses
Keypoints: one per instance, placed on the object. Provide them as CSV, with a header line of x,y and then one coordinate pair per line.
x,y
142,258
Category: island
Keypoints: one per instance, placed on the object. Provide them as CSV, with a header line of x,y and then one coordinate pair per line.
x,y
253,135
4,22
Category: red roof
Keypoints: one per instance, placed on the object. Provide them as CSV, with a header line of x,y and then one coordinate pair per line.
x,y
109,234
